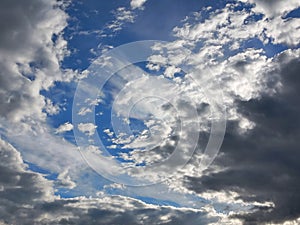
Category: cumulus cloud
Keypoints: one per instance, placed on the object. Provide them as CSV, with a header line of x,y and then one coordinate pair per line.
x,y
64,180
87,128
137,3
274,8
254,86
230,27
64,127
30,57
279,29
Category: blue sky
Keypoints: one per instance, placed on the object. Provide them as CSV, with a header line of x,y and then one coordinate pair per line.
x,y
168,109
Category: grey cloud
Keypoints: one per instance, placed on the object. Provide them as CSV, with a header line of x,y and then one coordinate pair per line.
x,y
19,188
263,164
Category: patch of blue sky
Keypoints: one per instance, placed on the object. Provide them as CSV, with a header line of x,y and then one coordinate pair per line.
x,y
47,174
240,6
160,17
66,193
293,14
253,18
269,49
88,184
160,71
87,19
137,126
63,192
103,122
61,94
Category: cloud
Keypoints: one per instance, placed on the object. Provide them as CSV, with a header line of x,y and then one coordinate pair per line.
x,y
260,96
64,180
274,8
279,29
137,3
122,16
262,165
64,128
87,128
118,210
20,188
30,57
231,27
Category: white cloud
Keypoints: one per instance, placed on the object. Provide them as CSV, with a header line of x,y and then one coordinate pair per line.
x,y
274,8
228,26
137,3
122,16
87,128
64,180
241,76
83,111
286,31
64,128
108,132
170,71
29,59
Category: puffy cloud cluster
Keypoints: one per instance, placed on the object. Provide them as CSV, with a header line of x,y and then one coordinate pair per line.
x,y
64,127
274,8
277,27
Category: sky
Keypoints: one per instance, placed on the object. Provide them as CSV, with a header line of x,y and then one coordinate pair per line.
x,y
150,112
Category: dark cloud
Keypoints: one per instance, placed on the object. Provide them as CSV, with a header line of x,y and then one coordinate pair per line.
x,y
263,164
20,189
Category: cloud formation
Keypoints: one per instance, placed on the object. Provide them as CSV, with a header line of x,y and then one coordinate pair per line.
x,y
262,165
32,48
137,3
